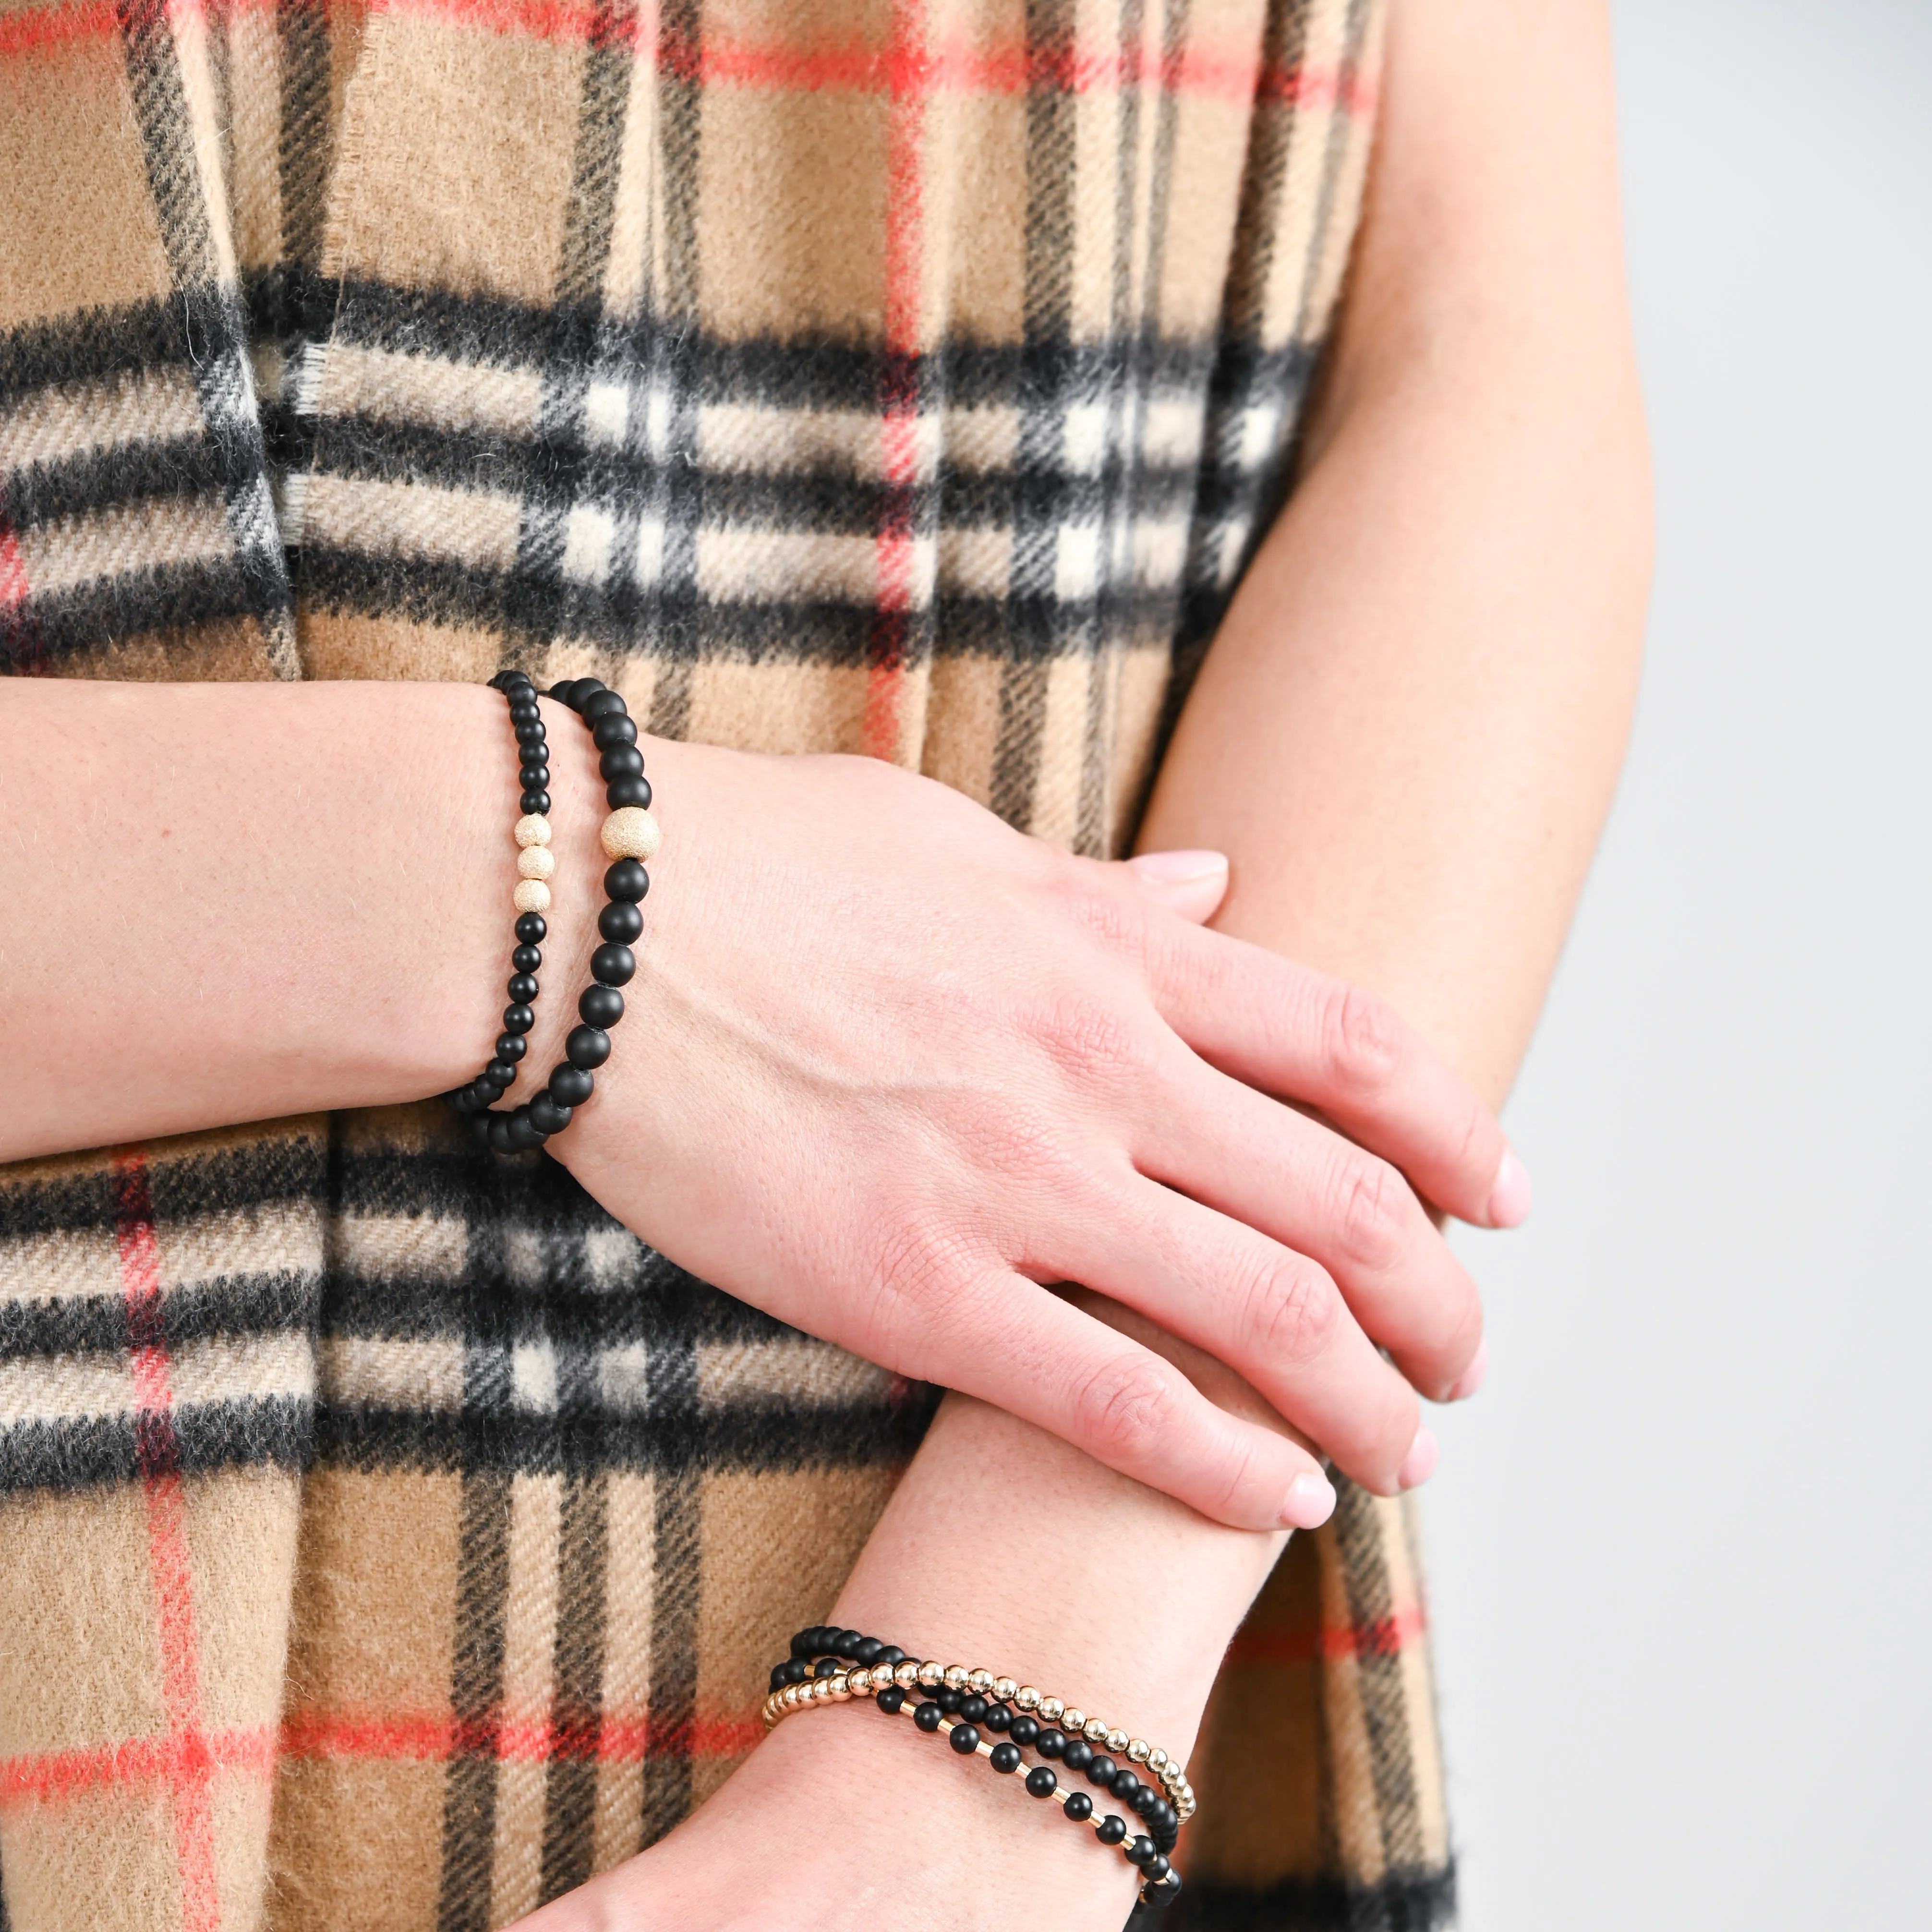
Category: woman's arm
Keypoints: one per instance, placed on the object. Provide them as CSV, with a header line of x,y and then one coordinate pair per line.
x,y
1406,737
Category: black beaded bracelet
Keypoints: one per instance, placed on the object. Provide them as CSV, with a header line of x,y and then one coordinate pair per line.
x,y
535,866
852,1667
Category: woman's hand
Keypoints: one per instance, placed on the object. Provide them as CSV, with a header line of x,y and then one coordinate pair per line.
x,y
890,1066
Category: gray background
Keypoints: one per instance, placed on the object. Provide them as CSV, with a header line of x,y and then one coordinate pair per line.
x,y
1682,1584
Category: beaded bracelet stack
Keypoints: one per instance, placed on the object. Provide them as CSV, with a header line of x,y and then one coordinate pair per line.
x,y
629,835
829,1666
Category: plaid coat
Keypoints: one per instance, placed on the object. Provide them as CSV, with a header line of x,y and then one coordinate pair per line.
x,y
388,1538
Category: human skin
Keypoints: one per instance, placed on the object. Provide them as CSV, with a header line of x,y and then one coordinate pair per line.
x,y
1405,738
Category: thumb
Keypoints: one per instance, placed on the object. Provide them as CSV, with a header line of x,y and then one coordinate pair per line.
x,y
1191,883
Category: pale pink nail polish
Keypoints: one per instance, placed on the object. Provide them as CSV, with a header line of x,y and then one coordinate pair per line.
x,y
1180,869
1470,1379
1419,1465
1311,1502
1509,1199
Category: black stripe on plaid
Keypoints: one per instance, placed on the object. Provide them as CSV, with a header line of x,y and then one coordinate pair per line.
x,y
570,1794
1423,1903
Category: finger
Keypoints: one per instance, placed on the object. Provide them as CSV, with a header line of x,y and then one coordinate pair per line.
x,y
1272,1314
1190,884
1291,1177
1046,1362
1287,1030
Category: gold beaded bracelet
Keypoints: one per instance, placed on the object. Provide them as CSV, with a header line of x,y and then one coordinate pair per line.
x,y
859,1681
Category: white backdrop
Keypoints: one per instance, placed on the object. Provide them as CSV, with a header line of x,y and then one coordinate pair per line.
x,y
1682,1545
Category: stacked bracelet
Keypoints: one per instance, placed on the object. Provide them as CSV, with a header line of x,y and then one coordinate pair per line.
x,y
534,866
629,835
978,1702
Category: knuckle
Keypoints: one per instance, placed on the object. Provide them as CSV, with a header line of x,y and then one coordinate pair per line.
x,y
1123,1409
1371,1225
1364,1040
1292,1308
1094,1040
1100,908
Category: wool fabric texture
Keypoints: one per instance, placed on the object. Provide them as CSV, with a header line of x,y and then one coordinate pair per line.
x,y
388,1539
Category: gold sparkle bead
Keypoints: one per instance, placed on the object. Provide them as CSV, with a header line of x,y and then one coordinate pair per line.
x,y
1095,1729
1137,1750
1003,1688
630,833
1026,1698
1051,1708
979,1682
1075,1722
931,1675
1157,1759
531,895
906,1675
535,861
533,829
955,1677
1117,1740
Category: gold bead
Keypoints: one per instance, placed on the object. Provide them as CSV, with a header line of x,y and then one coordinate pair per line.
x,y
531,895
955,1677
533,829
1051,1708
1137,1750
535,861
791,1697
630,833
979,1682
906,1675
842,1688
1117,1740
821,1689
1157,1759
1095,1729
1003,1688
932,1674
1026,1698
1075,1722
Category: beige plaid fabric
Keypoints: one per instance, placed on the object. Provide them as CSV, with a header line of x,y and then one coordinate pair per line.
x,y
388,1538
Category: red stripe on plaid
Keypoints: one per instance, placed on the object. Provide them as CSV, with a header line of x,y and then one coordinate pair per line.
x,y
13,590
898,426
376,1737
186,1760
1389,1636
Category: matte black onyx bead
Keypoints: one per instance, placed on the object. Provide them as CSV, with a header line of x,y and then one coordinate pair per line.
x,y
1041,1782
949,1699
1140,1851
582,690
889,1699
530,928
1156,1868
891,1654
613,965
997,1719
571,1085
1079,1806
1050,1742
479,1128
1006,1758
973,1710
1077,1755
511,1046
522,988
500,1073
500,1134
1144,1799
1111,1830
533,778
600,1006
534,802
518,1017
626,880
1126,1784
964,1738
869,1653
524,1134
601,704
1160,1897
621,761
566,689
530,730
778,1679
621,792
526,958
801,1644
796,1669
929,1716
549,1113
523,710
1024,1728
612,730
587,1046
826,1667
846,1644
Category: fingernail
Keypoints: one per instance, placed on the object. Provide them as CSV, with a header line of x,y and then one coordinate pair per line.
x,y
1419,1465
1509,1199
1180,869
1470,1379
1311,1502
